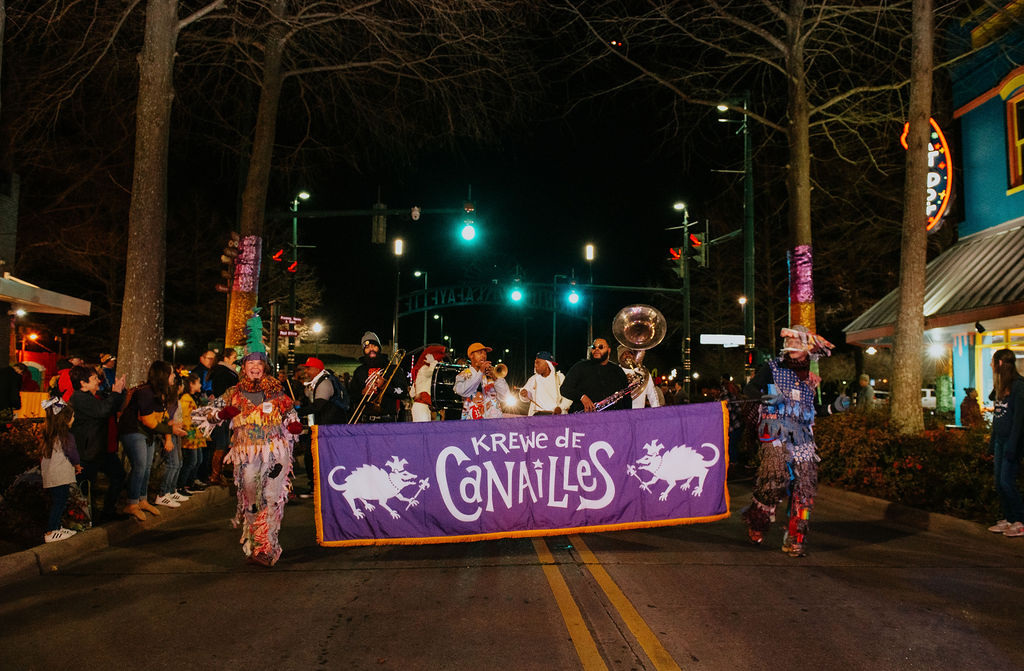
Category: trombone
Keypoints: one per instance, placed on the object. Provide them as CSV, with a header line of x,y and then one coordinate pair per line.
x,y
374,393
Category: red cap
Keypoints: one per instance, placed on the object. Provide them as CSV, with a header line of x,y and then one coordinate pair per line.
x,y
313,362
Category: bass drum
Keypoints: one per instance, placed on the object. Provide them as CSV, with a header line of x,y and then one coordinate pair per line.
x,y
442,387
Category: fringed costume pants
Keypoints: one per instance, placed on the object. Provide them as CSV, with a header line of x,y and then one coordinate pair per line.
x,y
262,483
782,470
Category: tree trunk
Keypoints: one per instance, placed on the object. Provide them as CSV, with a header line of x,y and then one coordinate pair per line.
x,y
798,179
142,312
905,403
254,196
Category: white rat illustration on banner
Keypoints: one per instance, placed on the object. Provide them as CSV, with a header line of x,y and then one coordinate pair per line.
x,y
681,463
369,482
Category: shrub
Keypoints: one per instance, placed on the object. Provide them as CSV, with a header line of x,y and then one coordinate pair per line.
x,y
940,471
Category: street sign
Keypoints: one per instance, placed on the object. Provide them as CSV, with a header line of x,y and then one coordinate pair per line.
x,y
287,334
290,320
722,339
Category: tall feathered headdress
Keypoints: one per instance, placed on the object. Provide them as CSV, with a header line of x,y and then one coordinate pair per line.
x,y
254,347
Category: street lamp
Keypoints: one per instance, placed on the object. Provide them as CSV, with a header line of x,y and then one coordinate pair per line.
x,y
399,249
174,345
301,195
425,287
317,329
590,253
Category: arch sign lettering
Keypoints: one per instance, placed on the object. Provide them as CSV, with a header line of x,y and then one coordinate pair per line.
x,y
940,166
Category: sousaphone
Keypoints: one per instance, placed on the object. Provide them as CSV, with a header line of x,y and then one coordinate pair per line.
x,y
639,328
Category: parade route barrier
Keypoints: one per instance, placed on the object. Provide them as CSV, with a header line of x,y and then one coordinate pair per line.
x,y
457,481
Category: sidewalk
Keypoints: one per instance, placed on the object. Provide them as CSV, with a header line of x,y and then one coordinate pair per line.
x,y
50,557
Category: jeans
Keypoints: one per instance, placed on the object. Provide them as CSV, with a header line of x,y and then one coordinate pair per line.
x,y
1007,466
140,453
189,467
172,467
59,501
109,465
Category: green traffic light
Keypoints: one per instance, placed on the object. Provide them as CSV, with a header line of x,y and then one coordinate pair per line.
x,y
468,232
516,295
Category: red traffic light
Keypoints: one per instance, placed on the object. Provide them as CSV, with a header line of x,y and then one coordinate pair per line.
x,y
674,253
696,239
279,255
293,267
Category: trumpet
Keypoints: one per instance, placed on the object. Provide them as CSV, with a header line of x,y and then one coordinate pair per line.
x,y
494,373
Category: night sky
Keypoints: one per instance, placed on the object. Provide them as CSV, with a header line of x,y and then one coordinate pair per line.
x,y
540,199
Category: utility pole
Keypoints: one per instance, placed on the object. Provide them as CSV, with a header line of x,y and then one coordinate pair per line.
x,y
748,240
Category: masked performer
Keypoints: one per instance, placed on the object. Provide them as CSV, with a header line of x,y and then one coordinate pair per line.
x,y
787,451
264,429
480,386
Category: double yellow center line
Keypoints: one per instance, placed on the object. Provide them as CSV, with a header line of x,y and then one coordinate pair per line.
x,y
586,648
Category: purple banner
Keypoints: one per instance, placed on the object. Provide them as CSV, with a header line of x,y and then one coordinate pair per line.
x,y
443,482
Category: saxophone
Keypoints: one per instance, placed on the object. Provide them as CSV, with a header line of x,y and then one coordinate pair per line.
x,y
636,380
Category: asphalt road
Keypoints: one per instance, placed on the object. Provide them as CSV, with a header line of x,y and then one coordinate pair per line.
x,y
874,593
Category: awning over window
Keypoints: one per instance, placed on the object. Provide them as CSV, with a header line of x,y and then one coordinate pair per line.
x,y
980,279
22,294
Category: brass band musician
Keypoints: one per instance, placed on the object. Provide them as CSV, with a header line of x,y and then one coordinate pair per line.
x,y
544,389
482,385
592,380
368,378
645,393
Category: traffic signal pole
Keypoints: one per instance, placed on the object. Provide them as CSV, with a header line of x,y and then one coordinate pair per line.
x,y
291,293
685,263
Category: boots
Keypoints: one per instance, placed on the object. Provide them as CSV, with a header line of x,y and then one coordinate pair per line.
x,y
136,511
217,464
149,507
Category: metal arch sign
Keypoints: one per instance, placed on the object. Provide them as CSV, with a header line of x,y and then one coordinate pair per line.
x,y
940,166
535,296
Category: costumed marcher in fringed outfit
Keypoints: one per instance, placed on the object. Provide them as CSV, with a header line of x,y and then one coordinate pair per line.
x,y
787,452
422,377
264,428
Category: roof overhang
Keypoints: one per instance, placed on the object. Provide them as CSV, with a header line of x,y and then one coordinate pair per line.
x,y
980,279
29,297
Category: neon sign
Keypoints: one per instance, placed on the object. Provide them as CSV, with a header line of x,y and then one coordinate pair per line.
x,y
940,182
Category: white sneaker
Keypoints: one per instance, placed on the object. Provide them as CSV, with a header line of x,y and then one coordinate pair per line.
x,y
166,500
177,497
58,535
1014,530
999,527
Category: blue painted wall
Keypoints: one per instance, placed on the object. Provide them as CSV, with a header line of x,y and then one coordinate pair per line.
x,y
985,169
983,163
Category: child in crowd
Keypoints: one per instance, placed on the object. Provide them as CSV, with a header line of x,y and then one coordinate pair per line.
x,y
192,444
168,495
59,464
